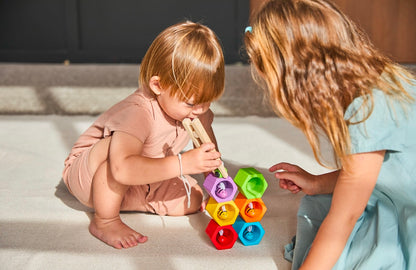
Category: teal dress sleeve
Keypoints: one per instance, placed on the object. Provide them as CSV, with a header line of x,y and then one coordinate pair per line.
x,y
383,130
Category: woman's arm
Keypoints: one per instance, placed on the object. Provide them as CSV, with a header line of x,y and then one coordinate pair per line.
x,y
353,189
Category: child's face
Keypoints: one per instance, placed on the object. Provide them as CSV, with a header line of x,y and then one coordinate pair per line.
x,y
178,109
173,106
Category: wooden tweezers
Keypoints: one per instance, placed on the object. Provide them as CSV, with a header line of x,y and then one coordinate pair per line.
x,y
199,136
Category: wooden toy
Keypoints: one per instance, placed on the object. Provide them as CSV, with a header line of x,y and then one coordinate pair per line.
x,y
242,214
221,189
224,213
251,210
231,219
251,185
249,233
199,136
250,182
223,237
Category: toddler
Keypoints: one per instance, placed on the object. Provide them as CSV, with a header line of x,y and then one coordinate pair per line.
x,y
130,158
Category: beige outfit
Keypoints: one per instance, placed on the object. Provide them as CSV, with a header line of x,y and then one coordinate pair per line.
x,y
140,116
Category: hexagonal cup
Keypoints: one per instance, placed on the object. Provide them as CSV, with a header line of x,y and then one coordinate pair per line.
x,y
221,189
250,182
224,213
223,237
249,233
251,210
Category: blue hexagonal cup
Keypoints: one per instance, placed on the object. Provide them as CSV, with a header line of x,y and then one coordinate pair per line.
x,y
249,233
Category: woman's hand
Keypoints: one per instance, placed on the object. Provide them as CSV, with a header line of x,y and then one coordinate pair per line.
x,y
294,178
201,159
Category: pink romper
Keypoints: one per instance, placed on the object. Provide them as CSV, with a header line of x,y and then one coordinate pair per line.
x,y
140,116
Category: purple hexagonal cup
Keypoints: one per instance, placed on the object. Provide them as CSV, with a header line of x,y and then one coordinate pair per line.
x,y
221,189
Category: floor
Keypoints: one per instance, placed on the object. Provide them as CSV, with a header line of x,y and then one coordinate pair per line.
x,y
43,227
44,108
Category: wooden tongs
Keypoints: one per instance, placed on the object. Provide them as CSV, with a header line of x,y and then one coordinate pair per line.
x,y
199,136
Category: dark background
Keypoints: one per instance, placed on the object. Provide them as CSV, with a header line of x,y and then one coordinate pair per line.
x,y
109,31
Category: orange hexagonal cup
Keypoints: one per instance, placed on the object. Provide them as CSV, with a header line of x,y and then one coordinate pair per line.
x,y
251,210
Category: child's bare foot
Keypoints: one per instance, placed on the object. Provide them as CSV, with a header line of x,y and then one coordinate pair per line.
x,y
115,233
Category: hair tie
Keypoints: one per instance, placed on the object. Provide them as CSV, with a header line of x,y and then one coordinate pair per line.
x,y
248,29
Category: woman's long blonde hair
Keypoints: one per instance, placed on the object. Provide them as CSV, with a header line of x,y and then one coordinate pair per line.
x,y
189,60
314,62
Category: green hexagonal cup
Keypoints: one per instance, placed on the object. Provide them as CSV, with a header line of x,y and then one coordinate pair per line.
x,y
250,182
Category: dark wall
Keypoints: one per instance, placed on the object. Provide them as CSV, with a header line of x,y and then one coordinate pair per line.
x,y
108,31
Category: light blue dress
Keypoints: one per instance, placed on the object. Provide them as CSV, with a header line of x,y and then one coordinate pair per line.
x,y
384,237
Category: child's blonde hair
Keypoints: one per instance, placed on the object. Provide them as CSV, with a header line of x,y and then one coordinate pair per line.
x,y
314,62
188,59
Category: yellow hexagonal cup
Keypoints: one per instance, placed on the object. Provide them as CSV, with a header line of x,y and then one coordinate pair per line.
x,y
224,213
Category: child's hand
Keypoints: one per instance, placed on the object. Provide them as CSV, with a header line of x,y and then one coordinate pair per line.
x,y
294,178
202,159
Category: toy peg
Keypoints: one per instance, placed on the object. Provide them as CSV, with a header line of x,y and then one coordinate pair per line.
x,y
250,211
221,191
220,237
222,213
199,136
248,233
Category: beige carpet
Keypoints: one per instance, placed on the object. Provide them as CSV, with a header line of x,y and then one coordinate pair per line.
x,y
43,227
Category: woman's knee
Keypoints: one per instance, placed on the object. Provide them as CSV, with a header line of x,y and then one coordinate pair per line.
x,y
314,207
